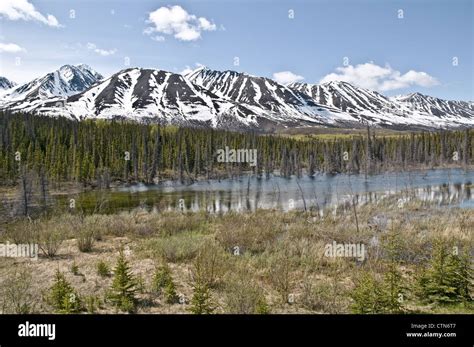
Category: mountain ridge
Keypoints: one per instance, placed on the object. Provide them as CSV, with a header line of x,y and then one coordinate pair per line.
x,y
227,99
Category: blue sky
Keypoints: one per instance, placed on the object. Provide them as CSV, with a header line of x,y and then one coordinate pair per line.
x,y
361,41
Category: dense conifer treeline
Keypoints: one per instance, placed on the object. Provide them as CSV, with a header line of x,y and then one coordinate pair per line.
x,y
99,152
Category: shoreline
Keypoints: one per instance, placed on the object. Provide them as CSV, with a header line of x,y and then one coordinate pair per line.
x,y
68,188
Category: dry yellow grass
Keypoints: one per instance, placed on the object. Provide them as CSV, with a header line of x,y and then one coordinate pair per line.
x,y
281,254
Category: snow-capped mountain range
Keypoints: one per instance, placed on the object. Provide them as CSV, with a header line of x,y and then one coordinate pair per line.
x,y
225,99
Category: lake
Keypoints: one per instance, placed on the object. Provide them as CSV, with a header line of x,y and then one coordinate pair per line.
x,y
451,187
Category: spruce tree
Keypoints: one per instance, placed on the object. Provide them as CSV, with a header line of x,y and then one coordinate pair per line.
x,y
367,295
171,297
262,306
161,278
63,297
201,302
392,283
123,287
448,277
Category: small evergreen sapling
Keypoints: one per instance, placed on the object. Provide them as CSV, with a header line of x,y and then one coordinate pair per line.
x,y
63,297
123,289
171,297
103,269
162,283
161,278
448,278
201,302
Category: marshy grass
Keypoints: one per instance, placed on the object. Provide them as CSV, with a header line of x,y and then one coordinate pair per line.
x,y
255,262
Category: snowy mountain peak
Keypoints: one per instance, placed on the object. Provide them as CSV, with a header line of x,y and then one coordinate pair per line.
x,y
66,81
338,84
345,96
425,104
411,96
5,83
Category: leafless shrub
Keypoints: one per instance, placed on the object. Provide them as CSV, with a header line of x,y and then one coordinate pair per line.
x,y
17,295
325,296
210,265
251,233
50,235
174,249
280,273
21,232
242,295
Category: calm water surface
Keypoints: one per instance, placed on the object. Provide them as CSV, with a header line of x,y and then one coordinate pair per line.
x,y
451,187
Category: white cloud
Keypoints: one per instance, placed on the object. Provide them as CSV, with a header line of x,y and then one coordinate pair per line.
x,y
381,78
158,38
186,70
24,10
206,25
102,52
176,21
287,77
11,48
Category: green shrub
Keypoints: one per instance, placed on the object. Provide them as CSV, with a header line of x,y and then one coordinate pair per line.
x,y
243,296
382,294
140,284
392,281
103,269
262,306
